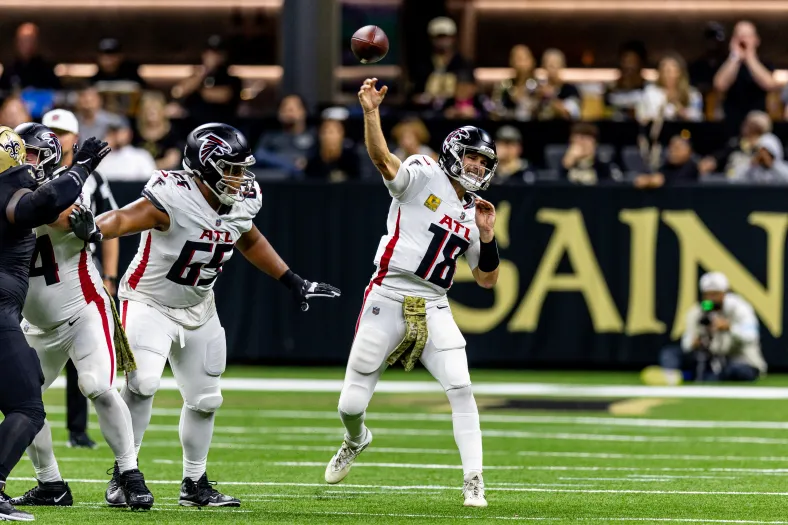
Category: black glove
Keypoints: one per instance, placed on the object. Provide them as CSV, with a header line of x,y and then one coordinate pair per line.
x,y
304,290
83,224
91,153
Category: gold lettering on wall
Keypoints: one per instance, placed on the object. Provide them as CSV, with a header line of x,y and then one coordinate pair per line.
x,y
699,247
571,238
641,312
480,320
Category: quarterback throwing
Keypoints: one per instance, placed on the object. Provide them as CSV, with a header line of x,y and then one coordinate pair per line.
x,y
434,218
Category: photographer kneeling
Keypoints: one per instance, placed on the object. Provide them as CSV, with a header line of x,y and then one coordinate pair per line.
x,y
721,341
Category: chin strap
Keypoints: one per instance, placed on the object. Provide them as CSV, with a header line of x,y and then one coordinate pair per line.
x,y
218,195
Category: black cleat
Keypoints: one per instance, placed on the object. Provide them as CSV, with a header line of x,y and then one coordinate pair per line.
x,y
52,494
202,494
80,440
135,491
9,513
114,495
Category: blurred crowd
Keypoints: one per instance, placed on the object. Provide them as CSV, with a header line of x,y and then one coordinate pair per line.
x,y
729,83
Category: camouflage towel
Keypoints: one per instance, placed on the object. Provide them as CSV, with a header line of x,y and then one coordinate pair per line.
x,y
412,345
123,356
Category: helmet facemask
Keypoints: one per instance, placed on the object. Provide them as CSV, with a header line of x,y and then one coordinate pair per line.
x,y
234,182
472,177
43,161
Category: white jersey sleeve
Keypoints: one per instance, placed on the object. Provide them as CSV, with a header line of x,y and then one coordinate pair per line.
x,y
161,194
413,175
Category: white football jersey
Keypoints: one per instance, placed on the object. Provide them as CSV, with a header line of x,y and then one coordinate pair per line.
x,y
429,228
63,277
175,270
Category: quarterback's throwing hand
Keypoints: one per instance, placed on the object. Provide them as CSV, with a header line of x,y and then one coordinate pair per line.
x,y
83,224
370,97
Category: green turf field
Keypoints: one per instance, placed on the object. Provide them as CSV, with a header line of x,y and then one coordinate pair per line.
x,y
691,461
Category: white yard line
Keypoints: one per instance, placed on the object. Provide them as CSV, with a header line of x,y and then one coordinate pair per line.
x,y
614,455
331,432
491,486
556,468
433,516
453,452
501,389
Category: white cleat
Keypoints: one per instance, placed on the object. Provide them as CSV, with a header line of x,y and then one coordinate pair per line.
x,y
340,464
473,490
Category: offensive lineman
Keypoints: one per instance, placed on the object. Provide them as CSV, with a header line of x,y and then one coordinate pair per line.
x,y
192,220
26,206
433,219
68,315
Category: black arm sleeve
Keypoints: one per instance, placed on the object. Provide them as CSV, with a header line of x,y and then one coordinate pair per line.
x,y
45,204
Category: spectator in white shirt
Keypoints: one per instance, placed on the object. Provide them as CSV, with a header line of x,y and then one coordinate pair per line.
x,y
125,162
671,97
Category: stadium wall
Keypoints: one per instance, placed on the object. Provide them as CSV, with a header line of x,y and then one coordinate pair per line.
x,y
590,276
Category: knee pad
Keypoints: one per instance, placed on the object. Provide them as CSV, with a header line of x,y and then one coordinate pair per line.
x,y
90,386
206,404
143,385
369,349
455,371
462,400
354,399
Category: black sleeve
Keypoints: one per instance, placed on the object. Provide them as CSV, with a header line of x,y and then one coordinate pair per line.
x,y
43,205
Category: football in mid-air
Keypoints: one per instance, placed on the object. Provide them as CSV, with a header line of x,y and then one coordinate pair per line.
x,y
370,44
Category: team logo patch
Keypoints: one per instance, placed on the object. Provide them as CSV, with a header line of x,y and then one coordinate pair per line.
x,y
210,144
432,202
51,139
375,310
453,137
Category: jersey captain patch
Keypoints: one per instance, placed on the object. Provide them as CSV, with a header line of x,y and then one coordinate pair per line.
x,y
432,202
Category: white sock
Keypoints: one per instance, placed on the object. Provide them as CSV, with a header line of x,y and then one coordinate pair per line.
x,y
42,455
196,431
467,430
140,408
355,430
115,423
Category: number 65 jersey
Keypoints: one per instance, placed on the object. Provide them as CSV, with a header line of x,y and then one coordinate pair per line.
x,y
429,228
174,270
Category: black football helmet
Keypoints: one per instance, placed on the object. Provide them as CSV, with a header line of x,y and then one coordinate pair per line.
x,y
464,140
218,154
43,149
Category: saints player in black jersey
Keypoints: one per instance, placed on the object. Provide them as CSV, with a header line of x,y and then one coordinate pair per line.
x,y
23,206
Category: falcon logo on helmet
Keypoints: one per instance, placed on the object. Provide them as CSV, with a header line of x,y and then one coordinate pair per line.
x,y
210,144
53,141
455,136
